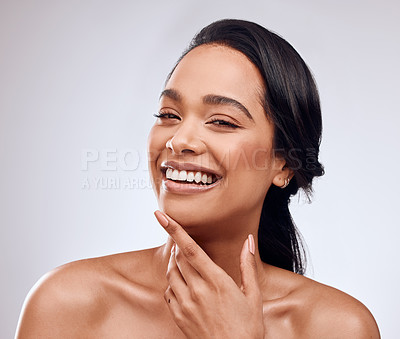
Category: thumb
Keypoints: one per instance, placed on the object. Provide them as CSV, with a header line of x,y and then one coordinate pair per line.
x,y
248,268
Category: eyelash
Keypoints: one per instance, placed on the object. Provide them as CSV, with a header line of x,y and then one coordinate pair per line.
x,y
222,123
165,115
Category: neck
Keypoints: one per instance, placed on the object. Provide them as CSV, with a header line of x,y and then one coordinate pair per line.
x,y
225,250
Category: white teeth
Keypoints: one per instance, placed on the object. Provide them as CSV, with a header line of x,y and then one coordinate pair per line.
x,y
197,177
168,174
182,176
175,175
190,177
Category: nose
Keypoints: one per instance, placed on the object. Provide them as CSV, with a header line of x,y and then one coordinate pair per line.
x,y
186,139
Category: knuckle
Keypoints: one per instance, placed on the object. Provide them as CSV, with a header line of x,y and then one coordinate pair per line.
x,y
189,250
172,229
220,281
242,266
248,264
197,294
179,319
187,308
253,265
218,285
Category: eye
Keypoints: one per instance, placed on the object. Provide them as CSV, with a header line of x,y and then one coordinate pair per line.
x,y
223,123
166,116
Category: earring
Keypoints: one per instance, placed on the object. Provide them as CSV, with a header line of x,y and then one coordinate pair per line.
x,y
286,183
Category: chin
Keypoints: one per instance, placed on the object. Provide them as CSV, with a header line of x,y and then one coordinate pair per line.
x,y
186,217
201,223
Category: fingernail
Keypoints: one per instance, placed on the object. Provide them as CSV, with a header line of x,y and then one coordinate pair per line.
x,y
173,249
252,246
162,219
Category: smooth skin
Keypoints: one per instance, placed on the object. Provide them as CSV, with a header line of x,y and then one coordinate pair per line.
x,y
208,280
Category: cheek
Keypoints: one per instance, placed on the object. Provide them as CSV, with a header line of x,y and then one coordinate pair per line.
x,y
249,155
248,166
154,143
155,146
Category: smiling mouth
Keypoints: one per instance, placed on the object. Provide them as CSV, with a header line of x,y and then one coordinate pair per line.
x,y
198,178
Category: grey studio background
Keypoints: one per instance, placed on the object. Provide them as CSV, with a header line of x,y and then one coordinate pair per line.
x,y
79,82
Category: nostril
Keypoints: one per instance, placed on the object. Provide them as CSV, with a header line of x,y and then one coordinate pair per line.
x,y
187,150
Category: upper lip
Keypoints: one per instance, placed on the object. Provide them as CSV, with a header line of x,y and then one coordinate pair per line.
x,y
180,166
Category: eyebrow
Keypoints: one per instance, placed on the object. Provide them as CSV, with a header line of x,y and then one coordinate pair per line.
x,y
172,94
210,99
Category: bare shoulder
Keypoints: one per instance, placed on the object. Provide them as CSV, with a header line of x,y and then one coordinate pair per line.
x,y
74,299
319,311
334,313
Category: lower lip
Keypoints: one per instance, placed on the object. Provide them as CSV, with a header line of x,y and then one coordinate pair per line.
x,y
177,187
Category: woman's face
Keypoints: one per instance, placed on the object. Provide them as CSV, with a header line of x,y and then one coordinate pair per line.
x,y
212,127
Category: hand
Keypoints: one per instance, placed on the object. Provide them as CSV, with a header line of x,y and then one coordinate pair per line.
x,y
203,299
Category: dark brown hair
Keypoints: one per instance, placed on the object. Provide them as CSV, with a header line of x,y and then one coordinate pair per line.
x,y
291,102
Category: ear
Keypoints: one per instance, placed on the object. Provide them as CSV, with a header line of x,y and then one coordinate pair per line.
x,y
283,173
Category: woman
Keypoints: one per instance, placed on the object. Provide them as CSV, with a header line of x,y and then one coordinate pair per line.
x,y
237,134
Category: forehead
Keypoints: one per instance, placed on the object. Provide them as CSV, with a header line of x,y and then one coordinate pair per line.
x,y
220,70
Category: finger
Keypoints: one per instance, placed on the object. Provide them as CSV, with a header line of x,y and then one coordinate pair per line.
x,y
172,302
169,296
200,261
175,279
248,269
189,274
